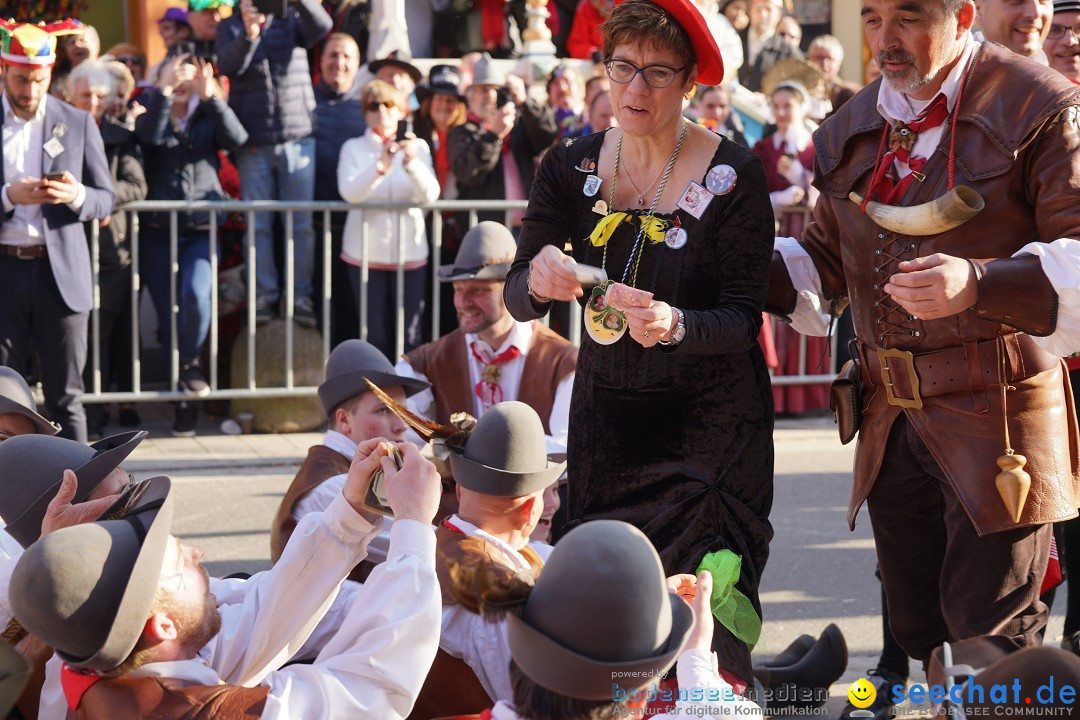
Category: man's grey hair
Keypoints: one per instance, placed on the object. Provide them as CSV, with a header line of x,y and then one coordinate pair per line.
x,y
830,43
97,76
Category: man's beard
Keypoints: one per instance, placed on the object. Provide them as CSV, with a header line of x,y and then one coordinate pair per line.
x,y
198,626
906,81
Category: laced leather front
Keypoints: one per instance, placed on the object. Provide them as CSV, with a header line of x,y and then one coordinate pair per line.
x,y
890,317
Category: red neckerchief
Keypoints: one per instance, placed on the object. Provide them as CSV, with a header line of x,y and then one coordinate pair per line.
x,y
75,682
488,389
451,527
901,141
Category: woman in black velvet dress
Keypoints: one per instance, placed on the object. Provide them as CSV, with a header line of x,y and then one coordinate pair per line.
x,y
671,424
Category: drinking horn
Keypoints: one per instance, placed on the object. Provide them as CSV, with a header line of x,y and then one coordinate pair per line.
x,y
951,210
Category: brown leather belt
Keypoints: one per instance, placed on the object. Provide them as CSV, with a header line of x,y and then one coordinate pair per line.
x,y
24,252
907,378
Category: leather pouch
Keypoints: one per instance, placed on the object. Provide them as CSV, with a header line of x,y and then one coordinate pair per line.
x,y
845,400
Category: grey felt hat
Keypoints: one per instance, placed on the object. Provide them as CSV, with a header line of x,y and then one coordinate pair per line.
x,y
352,361
485,254
486,72
32,468
14,673
506,454
88,589
600,610
15,397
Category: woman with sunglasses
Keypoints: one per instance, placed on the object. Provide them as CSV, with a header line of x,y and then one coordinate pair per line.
x,y
387,164
672,409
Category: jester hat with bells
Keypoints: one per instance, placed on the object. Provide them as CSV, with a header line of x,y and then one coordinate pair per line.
x,y
32,45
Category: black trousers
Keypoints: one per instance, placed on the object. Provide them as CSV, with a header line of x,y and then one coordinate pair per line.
x,y
942,581
33,314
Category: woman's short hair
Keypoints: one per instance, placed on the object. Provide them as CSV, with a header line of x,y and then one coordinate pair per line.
x,y
640,22
95,73
380,91
122,77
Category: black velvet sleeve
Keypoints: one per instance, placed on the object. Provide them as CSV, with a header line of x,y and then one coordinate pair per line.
x,y
742,230
546,222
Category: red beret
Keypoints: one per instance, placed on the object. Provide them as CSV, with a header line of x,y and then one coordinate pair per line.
x,y
710,64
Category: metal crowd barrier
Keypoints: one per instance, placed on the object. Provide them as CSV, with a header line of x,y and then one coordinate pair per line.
x,y
95,393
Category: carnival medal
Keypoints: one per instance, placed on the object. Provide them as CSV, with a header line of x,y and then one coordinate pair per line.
x,y
604,324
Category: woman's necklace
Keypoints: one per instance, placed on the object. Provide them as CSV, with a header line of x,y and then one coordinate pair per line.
x,y
641,194
605,324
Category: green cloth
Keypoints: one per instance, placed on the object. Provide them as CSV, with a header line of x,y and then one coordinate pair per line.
x,y
197,5
731,608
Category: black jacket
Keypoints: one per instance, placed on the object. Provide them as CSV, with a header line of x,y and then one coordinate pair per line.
x,y
270,88
129,185
184,165
775,49
476,154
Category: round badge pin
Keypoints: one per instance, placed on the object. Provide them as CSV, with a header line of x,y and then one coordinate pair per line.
x,y
675,238
721,179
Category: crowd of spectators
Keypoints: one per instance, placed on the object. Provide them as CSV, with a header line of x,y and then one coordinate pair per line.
x,y
326,104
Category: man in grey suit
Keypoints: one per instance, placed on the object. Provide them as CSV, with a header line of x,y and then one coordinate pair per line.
x,y
55,177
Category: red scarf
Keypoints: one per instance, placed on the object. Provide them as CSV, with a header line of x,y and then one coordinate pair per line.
x,y
75,683
901,142
488,389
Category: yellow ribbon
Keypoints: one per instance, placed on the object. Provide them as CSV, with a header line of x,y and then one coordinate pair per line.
x,y
654,228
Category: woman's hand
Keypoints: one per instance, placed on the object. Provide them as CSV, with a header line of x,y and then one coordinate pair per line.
x,y
205,85
389,149
251,19
650,325
551,275
408,149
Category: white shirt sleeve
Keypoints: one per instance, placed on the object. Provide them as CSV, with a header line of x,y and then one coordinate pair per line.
x,y
482,645
559,420
283,605
375,665
706,691
811,315
319,498
1061,263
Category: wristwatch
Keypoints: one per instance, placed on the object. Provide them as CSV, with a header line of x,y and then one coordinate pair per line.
x,y
679,332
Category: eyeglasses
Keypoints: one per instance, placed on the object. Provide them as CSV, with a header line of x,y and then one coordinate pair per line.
x,y
1058,31
656,76
374,106
130,60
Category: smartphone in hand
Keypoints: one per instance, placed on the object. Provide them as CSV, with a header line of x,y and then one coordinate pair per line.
x,y
404,128
54,177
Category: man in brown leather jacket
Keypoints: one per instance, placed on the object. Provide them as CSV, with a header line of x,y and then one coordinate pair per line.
x,y
956,311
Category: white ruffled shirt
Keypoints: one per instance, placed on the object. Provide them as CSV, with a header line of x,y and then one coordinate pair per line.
x,y
481,644
376,649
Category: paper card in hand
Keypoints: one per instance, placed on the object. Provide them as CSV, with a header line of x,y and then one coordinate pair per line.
x,y
622,297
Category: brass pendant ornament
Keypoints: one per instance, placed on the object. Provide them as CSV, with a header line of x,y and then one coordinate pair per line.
x,y
1013,483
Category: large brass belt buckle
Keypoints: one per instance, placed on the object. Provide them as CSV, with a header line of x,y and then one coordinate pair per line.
x,y
913,379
